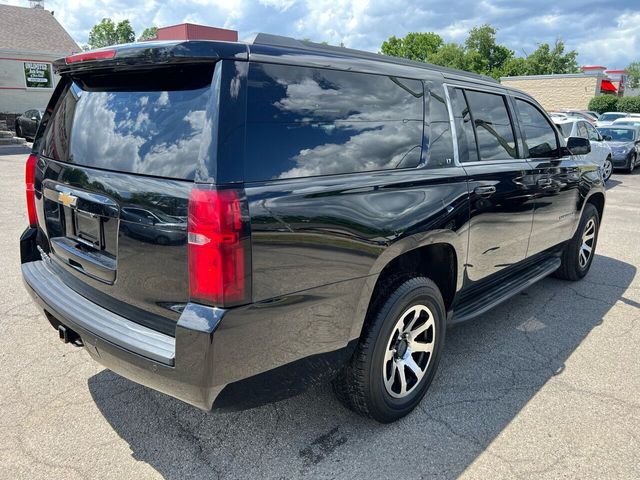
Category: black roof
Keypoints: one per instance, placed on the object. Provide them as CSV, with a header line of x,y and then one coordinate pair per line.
x,y
270,40
269,48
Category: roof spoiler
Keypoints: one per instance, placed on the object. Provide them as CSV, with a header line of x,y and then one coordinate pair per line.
x,y
145,54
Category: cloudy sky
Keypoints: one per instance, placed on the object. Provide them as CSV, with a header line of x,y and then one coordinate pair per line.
x,y
604,32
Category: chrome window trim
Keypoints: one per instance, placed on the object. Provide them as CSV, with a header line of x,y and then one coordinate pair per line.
x,y
452,125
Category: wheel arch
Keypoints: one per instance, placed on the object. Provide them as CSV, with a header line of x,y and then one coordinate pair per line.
x,y
439,256
597,199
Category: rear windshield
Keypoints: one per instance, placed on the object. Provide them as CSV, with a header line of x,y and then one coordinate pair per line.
x,y
146,132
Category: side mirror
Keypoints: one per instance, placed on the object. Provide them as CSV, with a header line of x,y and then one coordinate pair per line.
x,y
607,138
34,118
578,145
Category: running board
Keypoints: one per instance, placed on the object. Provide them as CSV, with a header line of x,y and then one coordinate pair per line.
x,y
503,291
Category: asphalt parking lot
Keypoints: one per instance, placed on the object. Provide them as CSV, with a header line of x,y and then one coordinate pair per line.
x,y
545,386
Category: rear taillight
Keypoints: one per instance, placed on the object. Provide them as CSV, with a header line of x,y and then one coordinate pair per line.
x,y
30,177
219,247
96,55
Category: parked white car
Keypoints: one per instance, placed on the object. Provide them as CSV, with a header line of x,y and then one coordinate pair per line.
x,y
631,120
607,118
600,150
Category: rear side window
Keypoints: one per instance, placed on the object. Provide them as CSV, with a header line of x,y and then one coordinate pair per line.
x,y
539,136
494,132
305,121
151,132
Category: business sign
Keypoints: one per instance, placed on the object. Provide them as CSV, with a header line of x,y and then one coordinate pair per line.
x,y
38,75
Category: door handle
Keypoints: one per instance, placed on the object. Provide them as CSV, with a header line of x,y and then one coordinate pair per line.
x,y
485,190
545,182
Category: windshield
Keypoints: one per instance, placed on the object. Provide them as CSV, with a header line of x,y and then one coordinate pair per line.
x,y
619,134
608,117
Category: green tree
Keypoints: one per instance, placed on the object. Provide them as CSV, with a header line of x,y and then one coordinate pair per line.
x,y
481,53
546,60
108,33
149,33
634,74
414,46
450,55
514,67
484,53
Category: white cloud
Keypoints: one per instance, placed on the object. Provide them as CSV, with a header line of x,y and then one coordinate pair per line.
x,y
604,32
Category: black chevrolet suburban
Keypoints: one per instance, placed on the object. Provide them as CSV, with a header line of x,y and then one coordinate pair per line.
x,y
231,223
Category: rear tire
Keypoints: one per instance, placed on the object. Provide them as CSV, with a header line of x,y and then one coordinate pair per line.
x,y
607,169
579,252
398,353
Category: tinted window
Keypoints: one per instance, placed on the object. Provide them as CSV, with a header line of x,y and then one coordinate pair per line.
x,y
438,138
304,122
464,126
494,132
539,136
148,132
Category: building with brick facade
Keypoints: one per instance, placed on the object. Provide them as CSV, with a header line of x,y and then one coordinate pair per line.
x,y
553,92
570,91
30,39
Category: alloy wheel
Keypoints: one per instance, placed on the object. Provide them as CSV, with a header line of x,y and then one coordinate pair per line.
x,y
409,351
607,169
588,240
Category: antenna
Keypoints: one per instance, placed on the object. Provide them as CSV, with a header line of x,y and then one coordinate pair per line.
x,y
39,4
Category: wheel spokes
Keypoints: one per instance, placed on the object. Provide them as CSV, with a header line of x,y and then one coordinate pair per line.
x,y
403,379
414,367
409,351
420,347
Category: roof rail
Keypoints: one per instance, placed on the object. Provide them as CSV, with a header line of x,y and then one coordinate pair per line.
x,y
270,40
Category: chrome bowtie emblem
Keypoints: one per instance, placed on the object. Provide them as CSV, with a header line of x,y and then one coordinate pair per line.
x,y
67,199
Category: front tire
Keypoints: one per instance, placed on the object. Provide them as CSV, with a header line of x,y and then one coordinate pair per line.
x,y
579,252
18,131
398,353
632,164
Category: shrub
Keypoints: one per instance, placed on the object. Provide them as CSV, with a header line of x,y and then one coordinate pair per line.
x,y
629,104
604,103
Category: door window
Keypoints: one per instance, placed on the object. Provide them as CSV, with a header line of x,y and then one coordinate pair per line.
x,y
592,133
467,149
494,132
539,136
582,130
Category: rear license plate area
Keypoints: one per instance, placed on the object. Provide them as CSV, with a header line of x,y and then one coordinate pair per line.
x,y
88,229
